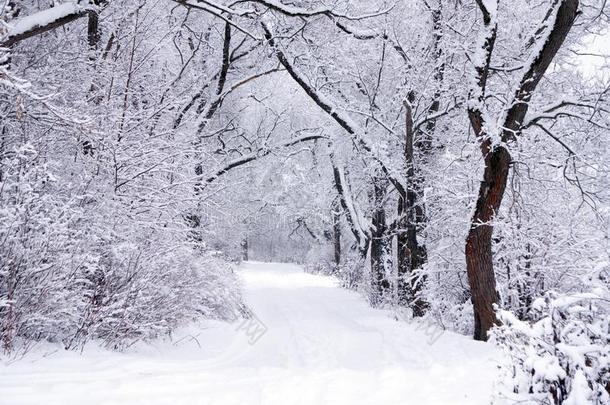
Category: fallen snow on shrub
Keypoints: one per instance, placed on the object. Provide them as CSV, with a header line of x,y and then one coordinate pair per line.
x,y
563,356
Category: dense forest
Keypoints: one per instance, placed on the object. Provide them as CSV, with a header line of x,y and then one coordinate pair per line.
x,y
448,160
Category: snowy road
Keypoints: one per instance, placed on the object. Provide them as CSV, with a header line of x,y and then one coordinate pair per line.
x,y
322,345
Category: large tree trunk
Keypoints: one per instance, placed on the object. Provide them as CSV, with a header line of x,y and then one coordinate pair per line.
x,y
479,260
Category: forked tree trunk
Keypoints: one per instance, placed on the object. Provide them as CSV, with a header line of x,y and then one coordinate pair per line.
x,y
361,236
479,261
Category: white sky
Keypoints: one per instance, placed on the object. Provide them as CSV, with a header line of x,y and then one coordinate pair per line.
x,y
594,64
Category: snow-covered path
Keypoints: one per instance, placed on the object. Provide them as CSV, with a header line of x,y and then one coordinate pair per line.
x,y
322,345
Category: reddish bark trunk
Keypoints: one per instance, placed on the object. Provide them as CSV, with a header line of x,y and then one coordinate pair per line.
x,y
479,260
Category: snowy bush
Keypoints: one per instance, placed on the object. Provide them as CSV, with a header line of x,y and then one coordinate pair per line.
x,y
70,273
142,294
563,355
350,272
34,245
94,244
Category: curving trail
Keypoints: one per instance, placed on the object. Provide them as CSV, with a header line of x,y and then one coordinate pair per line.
x,y
321,345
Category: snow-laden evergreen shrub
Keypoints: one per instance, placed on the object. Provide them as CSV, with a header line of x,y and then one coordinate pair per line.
x,y
563,355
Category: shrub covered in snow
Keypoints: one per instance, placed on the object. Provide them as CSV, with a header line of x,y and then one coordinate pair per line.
x,y
94,241
79,268
563,355
350,272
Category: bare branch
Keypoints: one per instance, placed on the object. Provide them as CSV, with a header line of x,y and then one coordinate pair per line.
x,y
259,154
343,121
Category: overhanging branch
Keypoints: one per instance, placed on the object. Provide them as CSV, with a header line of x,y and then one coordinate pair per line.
x,y
44,21
344,121
259,154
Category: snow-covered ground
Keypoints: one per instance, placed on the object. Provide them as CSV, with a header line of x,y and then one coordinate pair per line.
x,y
310,343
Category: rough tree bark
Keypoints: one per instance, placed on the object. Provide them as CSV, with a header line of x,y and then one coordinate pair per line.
x,y
336,215
381,247
479,259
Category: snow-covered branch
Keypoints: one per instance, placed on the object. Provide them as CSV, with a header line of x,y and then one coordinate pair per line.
x,y
45,20
482,60
553,31
262,152
353,216
278,6
219,11
302,12
328,107
556,110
